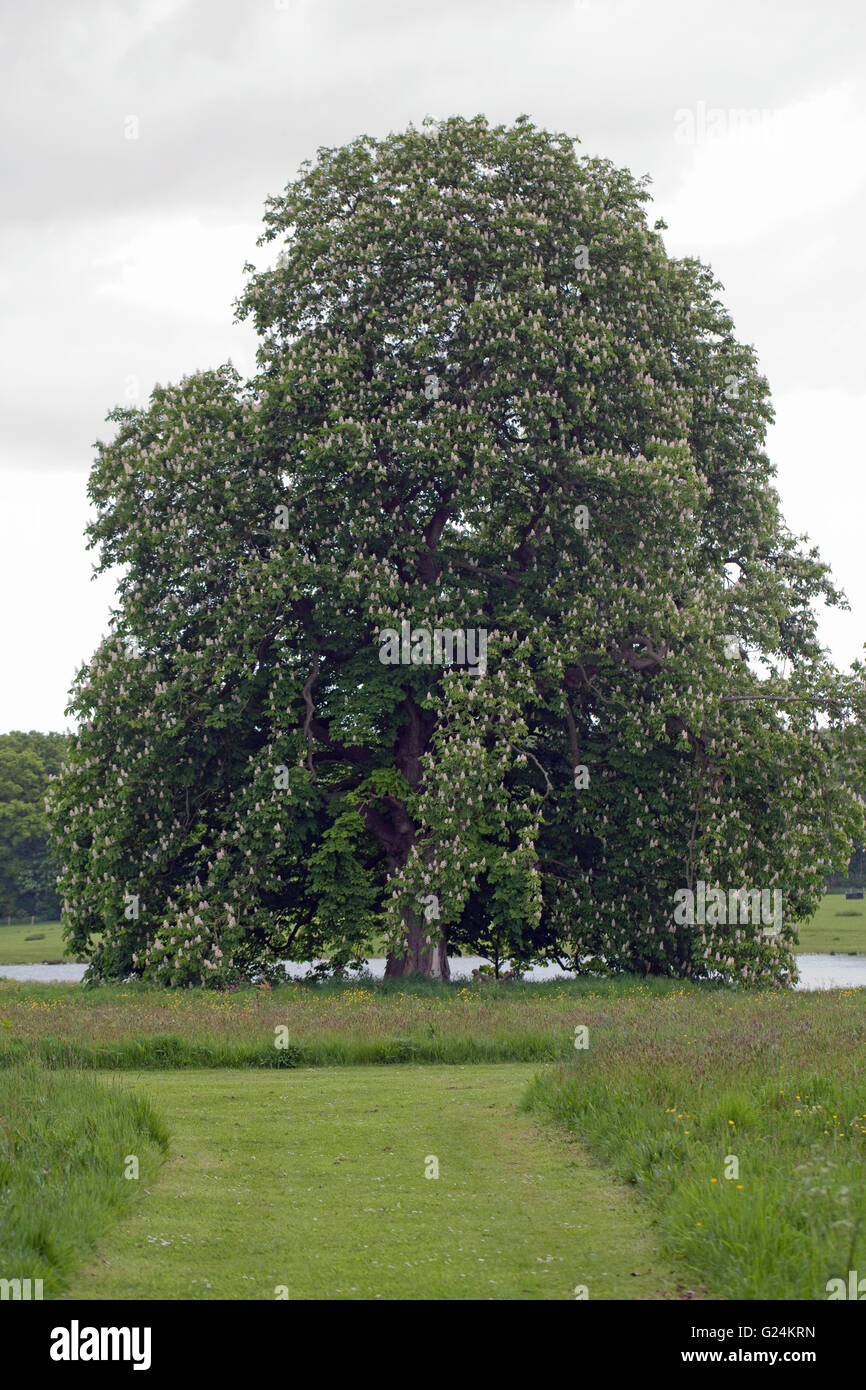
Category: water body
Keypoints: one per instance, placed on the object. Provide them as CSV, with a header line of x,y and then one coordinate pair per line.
x,y
816,971
832,972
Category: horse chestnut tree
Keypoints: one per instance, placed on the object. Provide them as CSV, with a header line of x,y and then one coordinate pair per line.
x,y
486,403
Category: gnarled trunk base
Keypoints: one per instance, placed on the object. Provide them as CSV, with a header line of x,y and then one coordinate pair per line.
x,y
417,955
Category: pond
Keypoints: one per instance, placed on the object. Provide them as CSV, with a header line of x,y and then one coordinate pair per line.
x,y
816,971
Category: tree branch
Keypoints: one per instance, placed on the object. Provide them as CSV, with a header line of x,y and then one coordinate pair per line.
x,y
531,755
308,700
572,734
475,568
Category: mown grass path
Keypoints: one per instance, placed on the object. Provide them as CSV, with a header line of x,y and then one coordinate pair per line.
x,y
315,1180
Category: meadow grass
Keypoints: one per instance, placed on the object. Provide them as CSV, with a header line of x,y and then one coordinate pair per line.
x,y
680,1085
314,1183
672,1089
64,1141
337,1023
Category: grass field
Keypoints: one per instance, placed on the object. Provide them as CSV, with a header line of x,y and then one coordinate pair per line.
x,y
738,1119
28,945
315,1183
707,1139
838,926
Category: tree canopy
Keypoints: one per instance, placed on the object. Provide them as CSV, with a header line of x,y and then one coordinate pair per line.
x,y
489,411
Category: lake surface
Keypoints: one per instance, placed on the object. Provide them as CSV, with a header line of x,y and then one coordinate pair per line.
x,y
816,971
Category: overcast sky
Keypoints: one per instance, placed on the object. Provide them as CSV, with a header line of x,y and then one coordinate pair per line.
x,y
140,141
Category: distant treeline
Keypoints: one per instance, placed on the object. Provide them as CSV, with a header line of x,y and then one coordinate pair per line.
x,y
28,872
856,875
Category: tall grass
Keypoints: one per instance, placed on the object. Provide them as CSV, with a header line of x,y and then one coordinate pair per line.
x,y
170,1052
334,1024
64,1142
673,1100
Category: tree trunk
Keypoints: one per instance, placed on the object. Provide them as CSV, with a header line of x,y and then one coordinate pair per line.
x,y
417,955
395,831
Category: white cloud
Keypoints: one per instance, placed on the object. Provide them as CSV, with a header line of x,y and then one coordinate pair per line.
x,y
816,444
54,612
757,176
183,267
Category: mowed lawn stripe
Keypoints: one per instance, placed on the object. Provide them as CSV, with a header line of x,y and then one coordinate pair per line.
x,y
315,1180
